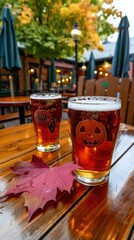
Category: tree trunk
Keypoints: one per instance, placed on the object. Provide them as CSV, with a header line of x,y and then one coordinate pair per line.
x,y
41,64
25,75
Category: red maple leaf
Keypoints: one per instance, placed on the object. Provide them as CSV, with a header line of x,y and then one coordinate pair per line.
x,y
39,183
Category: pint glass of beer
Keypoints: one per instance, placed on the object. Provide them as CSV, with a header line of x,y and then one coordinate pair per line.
x,y
46,111
94,123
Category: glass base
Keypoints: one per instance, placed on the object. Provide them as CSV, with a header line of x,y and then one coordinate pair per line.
x,y
47,148
91,181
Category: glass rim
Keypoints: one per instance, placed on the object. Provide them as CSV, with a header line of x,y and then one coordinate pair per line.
x,y
94,103
45,96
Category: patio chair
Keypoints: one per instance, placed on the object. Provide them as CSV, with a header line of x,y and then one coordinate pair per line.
x,y
115,87
89,87
81,85
107,87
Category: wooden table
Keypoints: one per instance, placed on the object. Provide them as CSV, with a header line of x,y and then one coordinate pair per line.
x,y
68,94
99,213
17,101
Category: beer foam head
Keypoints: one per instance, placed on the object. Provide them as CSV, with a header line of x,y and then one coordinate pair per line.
x,y
94,103
45,96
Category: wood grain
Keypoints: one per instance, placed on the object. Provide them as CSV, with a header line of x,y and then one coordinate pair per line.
x,y
103,212
14,101
106,212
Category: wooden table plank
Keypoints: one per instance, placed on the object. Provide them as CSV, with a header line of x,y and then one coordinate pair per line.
x,y
13,134
42,221
57,210
47,157
107,212
23,141
125,139
24,131
13,215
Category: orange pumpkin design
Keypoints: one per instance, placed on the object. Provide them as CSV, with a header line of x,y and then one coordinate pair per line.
x,y
90,133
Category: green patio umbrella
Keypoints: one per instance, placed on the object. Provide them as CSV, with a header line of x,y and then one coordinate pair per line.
x,y
90,67
120,62
9,53
52,73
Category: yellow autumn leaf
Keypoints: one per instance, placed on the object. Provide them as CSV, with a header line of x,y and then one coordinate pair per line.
x,y
26,15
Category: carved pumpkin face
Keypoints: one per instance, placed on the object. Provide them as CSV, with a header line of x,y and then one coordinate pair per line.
x,y
42,117
90,133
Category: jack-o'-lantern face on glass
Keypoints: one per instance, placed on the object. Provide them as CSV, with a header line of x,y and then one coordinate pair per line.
x,y
42,117
90,133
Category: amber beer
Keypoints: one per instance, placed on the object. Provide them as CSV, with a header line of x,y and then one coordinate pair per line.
x,y
94,124
46,110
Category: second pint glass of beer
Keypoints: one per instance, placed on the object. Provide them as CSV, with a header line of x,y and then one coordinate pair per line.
x,y
94,123
46,110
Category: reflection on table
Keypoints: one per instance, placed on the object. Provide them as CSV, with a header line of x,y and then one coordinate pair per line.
x,y
102,212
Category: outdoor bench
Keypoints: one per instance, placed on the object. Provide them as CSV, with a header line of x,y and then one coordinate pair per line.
x,y
12,116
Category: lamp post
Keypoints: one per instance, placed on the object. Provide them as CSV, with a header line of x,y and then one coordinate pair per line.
x,y
76,32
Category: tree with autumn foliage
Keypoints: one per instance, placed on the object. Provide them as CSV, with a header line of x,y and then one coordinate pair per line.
x,y
44,26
